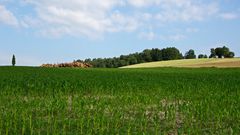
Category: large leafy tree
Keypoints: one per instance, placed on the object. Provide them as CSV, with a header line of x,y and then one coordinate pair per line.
x,y
132,60
171,53
147,55
213,53
224,52
219,52
190,54
156,54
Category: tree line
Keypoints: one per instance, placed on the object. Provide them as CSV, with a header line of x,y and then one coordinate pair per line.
x,y
155,54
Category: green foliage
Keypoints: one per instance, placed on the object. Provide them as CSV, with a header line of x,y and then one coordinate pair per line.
x,y
155,54
171,53
213,53
147,55
230,55
190,54
201,56
221,52
119,101
13,60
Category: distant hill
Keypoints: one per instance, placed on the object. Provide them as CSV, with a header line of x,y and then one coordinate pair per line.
x,y
191,63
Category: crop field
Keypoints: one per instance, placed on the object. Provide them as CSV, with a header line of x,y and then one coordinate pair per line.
x,y
51,101
191,63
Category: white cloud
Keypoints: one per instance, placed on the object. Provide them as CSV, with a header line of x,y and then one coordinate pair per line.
x,y
174,37
142,3
228,16
7,17
148,35
94,18
186,10
88,18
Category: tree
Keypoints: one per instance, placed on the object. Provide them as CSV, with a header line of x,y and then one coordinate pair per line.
x,y
108,63
200,56
171,53
139,57
87,60
156,54
213,53
132,60
226,51
122,63
230,55
147,55
13,60
219,52
190,54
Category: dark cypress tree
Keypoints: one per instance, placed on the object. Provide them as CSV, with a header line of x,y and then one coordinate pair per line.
x,y
13,60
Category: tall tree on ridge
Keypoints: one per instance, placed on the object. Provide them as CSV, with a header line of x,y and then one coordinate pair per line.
x,y
13,60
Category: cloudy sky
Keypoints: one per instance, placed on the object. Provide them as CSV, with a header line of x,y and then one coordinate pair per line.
x,y
51,31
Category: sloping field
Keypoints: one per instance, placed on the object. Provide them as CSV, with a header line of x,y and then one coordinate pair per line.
x,y
193,63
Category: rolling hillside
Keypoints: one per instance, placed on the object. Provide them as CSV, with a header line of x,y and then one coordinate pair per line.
x,y
192,63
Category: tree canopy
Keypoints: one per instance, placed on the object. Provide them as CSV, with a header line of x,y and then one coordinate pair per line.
x,y
155,54
201,56
190,54
221,52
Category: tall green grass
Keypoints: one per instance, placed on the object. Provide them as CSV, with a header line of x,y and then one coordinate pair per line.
x,y
119,101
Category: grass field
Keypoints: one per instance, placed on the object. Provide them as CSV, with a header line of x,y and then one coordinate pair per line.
x,y
119,101
192,63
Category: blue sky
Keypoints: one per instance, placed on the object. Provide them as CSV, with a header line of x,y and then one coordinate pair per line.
x,y
54,31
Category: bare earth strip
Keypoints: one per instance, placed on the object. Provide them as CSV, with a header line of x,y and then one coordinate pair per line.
x,y
192,63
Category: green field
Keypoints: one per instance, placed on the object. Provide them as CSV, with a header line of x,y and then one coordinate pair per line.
x,y
192,63
119,101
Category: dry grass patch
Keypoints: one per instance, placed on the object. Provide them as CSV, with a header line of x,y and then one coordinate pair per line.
x,y
191,63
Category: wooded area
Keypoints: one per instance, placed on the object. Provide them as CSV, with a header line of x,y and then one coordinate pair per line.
x,y
155,54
